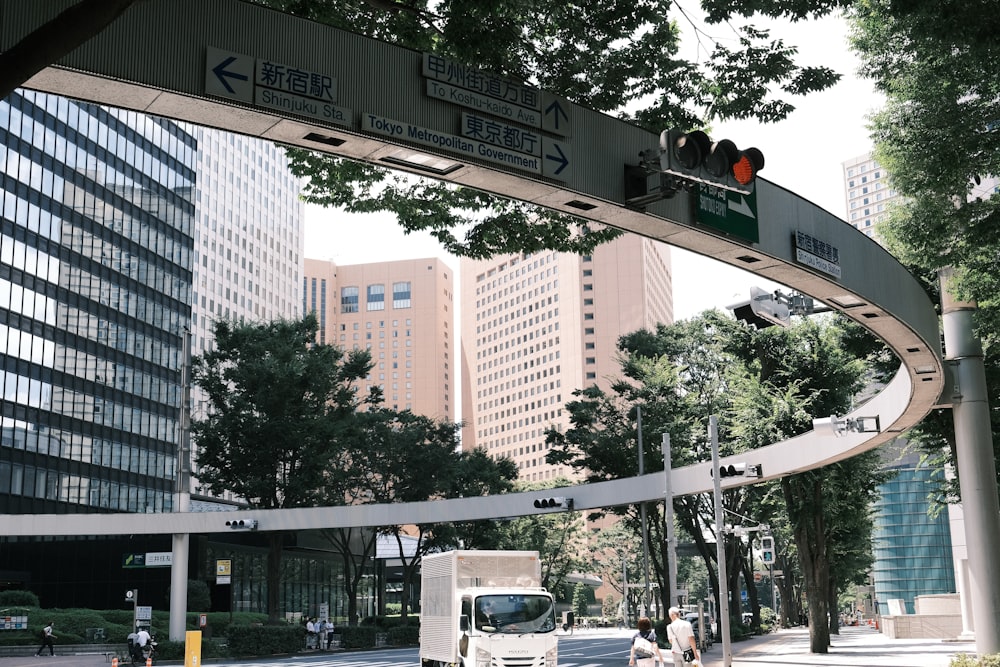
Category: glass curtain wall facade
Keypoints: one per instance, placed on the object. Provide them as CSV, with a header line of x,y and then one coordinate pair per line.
x,y
907,540
95,293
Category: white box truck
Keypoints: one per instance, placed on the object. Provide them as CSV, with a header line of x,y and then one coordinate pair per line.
x,y
486,609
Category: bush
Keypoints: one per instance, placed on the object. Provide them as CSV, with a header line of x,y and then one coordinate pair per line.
x,y
404,635
246,640
168,650
768,620
360,636
967,660
18,599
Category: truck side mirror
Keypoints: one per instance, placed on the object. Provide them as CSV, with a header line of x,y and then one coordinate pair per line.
x,y
463,623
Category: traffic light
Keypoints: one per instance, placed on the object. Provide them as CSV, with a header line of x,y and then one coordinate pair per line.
x,y
132,595
552,503
695,157
243,524
767,549
740,470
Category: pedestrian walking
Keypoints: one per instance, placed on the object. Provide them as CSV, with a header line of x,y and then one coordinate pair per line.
x,y
47,640
683,646
644,646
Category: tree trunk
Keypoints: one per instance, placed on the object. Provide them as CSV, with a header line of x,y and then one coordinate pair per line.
x,y
275,542
831,603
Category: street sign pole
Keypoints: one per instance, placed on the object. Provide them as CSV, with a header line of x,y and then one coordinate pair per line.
x,y
720,546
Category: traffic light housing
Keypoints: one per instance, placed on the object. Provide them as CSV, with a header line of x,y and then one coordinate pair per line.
x,y
554,502
767,549
740,470
243,524
693,156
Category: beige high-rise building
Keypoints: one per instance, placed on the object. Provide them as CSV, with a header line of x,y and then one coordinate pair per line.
x,y
867,191
403,313
537,327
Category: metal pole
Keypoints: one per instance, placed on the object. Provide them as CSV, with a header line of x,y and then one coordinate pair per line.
x,y
720,546
642,518
625,610
181,541
668,514
976,467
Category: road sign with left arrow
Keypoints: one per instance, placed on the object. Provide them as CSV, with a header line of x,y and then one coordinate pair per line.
x,y
229,75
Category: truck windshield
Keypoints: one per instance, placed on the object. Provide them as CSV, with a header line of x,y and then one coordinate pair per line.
x,y
515,613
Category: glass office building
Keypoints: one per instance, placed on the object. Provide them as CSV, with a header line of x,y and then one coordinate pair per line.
x,y
908,540
95,294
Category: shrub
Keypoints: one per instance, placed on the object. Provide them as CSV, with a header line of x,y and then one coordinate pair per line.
x,y
404,635
245,640
360,636
967,660
16,598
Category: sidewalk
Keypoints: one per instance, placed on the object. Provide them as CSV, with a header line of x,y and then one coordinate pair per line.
x,y
854,647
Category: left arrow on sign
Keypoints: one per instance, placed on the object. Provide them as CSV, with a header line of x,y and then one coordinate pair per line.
x,y
220,72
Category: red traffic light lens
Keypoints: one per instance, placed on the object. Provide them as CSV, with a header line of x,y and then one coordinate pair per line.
x,y
746,167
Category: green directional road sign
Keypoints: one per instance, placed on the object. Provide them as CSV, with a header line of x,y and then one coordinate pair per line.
x,y
730,212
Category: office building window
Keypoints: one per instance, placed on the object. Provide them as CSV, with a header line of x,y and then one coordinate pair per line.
x,y
401,295
349,300
376,297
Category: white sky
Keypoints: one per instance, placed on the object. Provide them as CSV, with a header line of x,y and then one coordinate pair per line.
x,y
803,153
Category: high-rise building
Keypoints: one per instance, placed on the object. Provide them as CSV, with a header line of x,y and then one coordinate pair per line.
x,y
95,295
403,313
867,191
536,327
113,225
249,240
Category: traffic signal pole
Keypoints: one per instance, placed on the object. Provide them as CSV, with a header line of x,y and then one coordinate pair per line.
x,y
720,546
976,466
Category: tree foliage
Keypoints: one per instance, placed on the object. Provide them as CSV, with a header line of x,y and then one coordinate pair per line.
x,y
938,136
620,57
280,409
557,536
764,386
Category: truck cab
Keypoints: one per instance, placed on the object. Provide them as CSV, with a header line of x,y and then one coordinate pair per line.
x,y
486,609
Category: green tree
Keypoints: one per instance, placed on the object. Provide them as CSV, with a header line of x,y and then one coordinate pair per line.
x,y
558,537
938,137
581,600
765,386
607,56
278,408
409,458
805,371
618,56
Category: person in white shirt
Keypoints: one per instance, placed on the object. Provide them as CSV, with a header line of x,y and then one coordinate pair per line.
x,y
681,636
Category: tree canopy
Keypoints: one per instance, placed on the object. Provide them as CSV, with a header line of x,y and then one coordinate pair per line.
x,y
621,57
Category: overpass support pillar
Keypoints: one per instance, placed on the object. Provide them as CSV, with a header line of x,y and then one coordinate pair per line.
x,y
976,465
